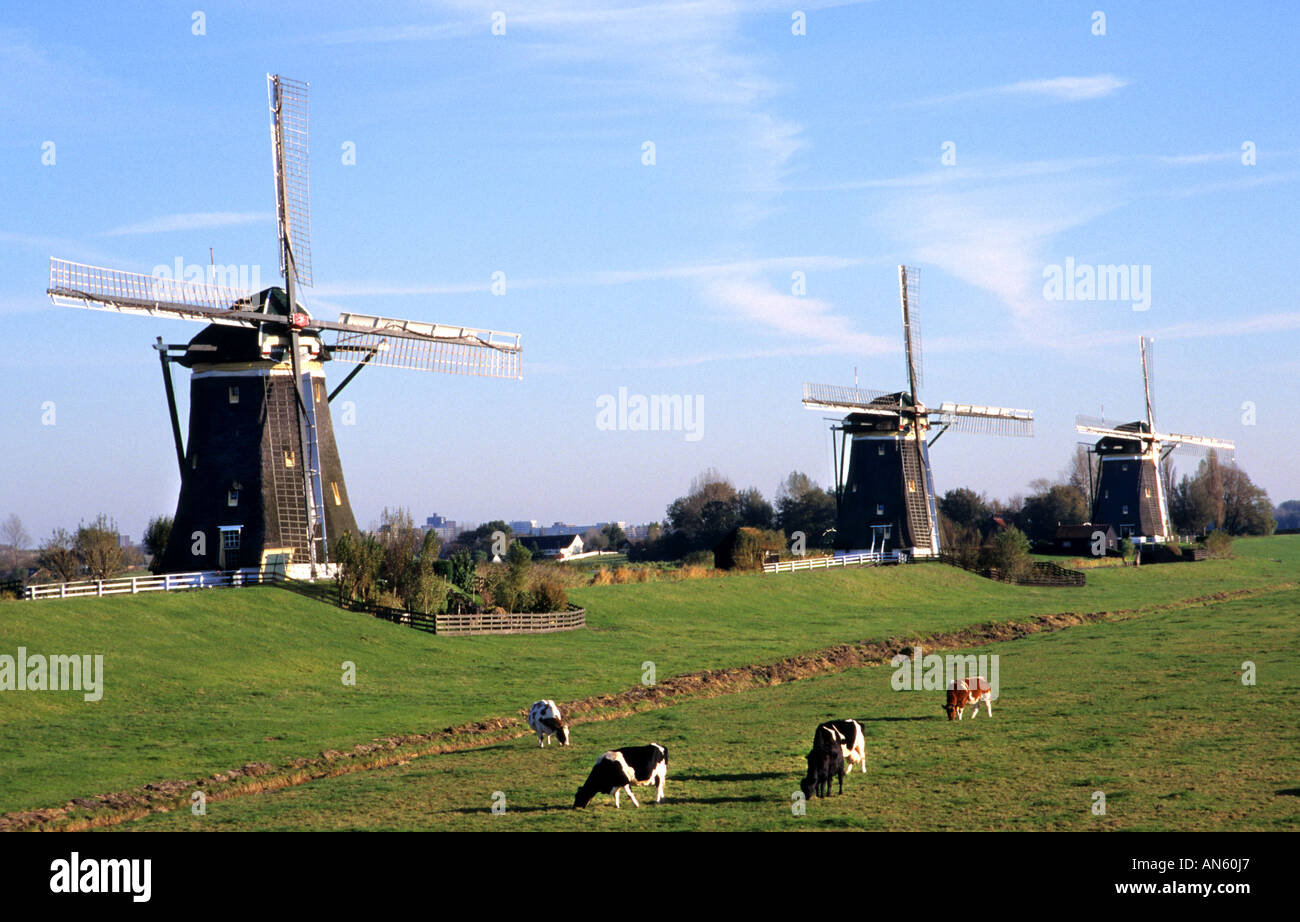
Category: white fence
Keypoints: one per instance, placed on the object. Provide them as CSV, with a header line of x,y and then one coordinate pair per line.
x,y
824,563
204,579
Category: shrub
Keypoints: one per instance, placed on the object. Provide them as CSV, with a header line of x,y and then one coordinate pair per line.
x,y
1219,544
549,595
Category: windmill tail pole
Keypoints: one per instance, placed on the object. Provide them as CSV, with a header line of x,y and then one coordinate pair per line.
x,y
171,405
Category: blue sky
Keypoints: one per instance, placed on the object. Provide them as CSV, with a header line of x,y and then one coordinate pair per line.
x,y
775,153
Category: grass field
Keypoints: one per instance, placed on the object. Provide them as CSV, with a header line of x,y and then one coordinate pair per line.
x,y
1151,711
202,682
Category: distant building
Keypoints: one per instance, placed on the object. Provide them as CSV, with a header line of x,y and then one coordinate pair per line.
x,y
1077,539
444,528
561,547
523,527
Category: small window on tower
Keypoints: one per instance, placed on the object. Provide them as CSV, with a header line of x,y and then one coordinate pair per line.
x,y
194,461
230,539
880,509
338,500
232,498
233,392
288,457
1123,467
1105,494
1124,511
318,387
880,449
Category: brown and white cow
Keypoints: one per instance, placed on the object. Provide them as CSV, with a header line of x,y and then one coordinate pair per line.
x,y
962,692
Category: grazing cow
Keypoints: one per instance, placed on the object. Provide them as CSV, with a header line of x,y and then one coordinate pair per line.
x,y
962,692
852,741
617,770
545,718
826,761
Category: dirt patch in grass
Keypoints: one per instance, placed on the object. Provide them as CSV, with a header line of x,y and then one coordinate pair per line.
x,y
257,777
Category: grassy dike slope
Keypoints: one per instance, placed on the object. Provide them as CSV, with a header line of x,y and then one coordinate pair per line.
x,y
1151,711
206,681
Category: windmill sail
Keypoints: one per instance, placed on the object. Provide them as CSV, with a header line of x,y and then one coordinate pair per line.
x,y
97,288
288,100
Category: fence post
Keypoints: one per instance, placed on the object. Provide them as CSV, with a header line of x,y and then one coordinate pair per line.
x,y
100,587
134,590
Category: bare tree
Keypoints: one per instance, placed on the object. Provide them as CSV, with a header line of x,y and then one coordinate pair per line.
x,y
58,555
15,539
98,549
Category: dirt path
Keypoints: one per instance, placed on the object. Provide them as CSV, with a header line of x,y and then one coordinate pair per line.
x,y
110,809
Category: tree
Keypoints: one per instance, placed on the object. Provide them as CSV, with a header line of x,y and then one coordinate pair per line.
x,y
58,555
15,538
964,507
801,505
480,539
1220,497
753,511
687,514
97,547
156,535
1011,552
614,535
1059,504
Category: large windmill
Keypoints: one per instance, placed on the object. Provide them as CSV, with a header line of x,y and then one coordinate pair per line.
x,y
261,481
884,491
1130,493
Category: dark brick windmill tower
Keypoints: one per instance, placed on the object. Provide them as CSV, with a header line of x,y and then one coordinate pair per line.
x,y
261,482
1130,493
884,490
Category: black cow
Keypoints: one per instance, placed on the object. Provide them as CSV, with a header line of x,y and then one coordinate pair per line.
x,y
826,761
617,770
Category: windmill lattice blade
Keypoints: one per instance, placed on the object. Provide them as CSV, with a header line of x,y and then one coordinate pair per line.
x,y
95,287
848,400
909,283
963,417
1195,443
425,346
292,177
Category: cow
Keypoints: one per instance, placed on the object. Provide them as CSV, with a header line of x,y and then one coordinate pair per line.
x,y
826,761
961,692
617,770
852,741
545,718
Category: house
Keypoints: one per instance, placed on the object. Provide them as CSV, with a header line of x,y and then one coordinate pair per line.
x,y
561,547
1077,540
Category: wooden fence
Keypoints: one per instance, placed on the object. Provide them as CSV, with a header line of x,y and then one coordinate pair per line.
x,y
1043,573
485,623
203,579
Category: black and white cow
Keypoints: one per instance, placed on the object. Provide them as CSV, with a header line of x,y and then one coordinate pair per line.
x,y
826,761
617,770
545,718
852,741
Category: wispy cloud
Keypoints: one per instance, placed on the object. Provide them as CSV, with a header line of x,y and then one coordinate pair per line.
x,y
1055,89
799,318
199,220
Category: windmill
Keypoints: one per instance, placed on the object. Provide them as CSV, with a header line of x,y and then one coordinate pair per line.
x,y
1130,494
884,490
261,481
